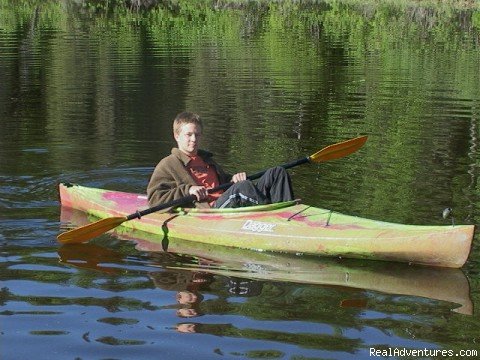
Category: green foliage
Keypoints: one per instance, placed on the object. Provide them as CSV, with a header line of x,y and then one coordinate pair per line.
x,y
242,54
300,62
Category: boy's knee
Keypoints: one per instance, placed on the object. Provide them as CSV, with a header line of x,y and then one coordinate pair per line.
x,y
243,184
278,170
248,184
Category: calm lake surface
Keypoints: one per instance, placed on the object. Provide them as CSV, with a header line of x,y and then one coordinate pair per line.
x,y
88,96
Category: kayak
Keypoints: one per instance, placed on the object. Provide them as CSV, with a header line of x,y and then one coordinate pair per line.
x,y
288,227
195,259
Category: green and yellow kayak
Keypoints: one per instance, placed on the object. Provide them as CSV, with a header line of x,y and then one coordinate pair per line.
x,y
288,227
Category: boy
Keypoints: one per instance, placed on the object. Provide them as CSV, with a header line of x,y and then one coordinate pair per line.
x,y
189,170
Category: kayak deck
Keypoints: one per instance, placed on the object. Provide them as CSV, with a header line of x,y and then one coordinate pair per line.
x,y
284,227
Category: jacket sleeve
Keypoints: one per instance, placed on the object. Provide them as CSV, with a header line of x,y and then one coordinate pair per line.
x,y
164,185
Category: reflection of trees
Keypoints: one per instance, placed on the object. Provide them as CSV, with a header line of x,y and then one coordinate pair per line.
x,y
265,301
273,82
317,341
320,305
56,276
268,78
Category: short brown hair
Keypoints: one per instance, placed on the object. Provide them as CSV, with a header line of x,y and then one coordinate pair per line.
x,y
186,117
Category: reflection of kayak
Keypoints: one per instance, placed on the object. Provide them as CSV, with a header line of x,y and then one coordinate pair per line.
x,y
449,285
284,227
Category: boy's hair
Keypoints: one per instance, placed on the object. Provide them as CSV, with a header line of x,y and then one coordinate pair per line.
x,y
186,117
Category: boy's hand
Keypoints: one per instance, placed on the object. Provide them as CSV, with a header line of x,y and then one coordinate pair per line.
x,y
239,177
200,192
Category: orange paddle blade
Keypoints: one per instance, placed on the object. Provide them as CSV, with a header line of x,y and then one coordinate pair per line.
x,y
338,150
90,231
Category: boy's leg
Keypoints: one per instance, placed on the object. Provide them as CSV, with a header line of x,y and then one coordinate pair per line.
x,y
240,194
276,185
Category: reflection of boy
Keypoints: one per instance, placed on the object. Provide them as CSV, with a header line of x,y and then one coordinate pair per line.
x,y
187,313
186,328
187,297
190,299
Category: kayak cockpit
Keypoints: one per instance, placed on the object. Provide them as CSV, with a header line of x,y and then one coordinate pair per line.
x,y
246,209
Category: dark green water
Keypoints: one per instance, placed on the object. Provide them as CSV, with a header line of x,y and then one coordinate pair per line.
x,y
88,97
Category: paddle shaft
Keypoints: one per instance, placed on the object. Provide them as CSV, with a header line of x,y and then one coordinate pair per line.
x,y
87,232
192,198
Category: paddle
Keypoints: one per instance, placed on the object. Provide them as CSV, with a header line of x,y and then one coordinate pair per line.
x,y
87,232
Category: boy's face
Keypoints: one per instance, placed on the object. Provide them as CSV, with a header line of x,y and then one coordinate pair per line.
x,y
188,138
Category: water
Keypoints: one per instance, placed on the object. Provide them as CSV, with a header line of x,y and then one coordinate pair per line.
x,y
88,97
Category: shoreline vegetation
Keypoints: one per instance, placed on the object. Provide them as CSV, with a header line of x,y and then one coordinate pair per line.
x,y
430,18
136,5
235,4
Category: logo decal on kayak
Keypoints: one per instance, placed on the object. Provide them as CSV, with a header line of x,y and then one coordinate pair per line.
x,y
258,226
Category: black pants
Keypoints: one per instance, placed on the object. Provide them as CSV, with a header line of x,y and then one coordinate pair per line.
x,y
274,186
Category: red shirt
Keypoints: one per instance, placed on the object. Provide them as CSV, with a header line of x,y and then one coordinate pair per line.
x,y
204,175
